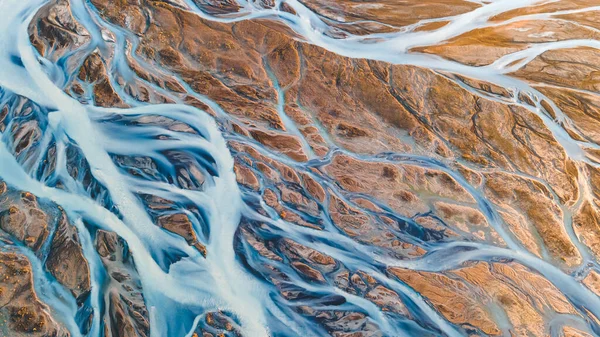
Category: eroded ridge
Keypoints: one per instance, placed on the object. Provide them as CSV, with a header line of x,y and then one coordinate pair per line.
x,y
299,168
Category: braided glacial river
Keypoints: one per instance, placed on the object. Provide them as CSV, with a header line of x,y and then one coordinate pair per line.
x,y
92,161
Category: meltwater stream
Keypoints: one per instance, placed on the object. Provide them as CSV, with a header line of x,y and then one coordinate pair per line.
x,y
175,294
181,284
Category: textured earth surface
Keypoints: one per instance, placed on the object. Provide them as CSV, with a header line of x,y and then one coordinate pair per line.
x,y
346,168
